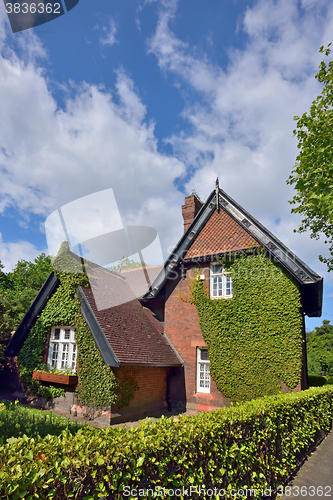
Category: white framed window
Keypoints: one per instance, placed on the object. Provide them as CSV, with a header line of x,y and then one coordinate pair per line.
x,y
203,375
220,282
62,350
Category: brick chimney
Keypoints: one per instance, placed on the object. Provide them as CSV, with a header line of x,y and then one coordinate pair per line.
x,y
190,210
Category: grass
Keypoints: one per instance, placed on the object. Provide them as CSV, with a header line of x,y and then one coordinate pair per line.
x,y
16,420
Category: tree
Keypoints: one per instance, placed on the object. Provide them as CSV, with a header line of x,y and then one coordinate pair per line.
x,y
18,289
320,349
312,174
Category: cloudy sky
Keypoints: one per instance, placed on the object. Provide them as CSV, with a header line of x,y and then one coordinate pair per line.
x,y
153,99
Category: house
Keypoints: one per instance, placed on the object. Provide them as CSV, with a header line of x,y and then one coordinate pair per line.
x,y
259,347
222,321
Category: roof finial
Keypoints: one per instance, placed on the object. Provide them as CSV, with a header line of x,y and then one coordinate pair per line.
x,y
217,192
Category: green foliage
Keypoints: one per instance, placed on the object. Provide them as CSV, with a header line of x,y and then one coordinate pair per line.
x,y
18,288
97,383
314,366
317,381
330,380
44,368
254,339
16,420
126,263
127,389
312,174
320,349
257,444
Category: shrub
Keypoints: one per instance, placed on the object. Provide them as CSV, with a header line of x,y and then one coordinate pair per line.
x,y
330,380
317,381
257,444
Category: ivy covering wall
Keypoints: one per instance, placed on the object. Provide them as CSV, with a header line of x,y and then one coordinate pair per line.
x,y
254,339
98,386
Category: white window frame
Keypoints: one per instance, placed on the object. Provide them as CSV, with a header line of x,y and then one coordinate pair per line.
x,y
203,367
220,277
62,341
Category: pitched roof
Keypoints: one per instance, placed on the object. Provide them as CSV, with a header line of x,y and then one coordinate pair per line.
x,y
311,284
135,336
219,235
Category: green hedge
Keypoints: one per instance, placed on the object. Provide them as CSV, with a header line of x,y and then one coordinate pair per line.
x,y
317,381
255,445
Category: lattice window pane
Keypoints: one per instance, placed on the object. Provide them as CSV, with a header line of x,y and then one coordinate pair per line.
x,y
204,355
64,356
54,353
204,375
217,269
57,334
228,285
74,357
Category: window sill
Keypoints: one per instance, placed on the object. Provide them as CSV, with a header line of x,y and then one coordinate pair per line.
x,y
226,297
203,394
55,378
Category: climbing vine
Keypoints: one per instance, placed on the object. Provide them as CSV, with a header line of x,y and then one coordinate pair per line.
x,y
98,385
59,310
254,339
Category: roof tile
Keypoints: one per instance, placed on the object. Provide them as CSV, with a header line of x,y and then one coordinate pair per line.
x,y
133,333
220,234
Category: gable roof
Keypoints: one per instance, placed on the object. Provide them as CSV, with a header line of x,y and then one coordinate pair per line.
x,y
125,333
311,284
220,234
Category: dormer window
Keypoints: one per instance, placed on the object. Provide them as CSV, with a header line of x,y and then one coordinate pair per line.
x,y
220,282
63,350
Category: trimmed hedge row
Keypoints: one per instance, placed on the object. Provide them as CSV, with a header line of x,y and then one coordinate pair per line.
x,y
255,445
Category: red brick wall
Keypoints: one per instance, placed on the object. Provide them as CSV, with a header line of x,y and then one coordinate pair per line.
x,y
151,381
183,330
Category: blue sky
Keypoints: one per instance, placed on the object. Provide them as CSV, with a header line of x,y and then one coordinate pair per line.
x,y
153,99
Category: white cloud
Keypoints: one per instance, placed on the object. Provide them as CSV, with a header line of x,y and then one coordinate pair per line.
x,y
51,156
11,253
242,120
109,33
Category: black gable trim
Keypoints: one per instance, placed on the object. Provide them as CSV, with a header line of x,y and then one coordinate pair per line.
x,y
311,284
22,332
107,353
